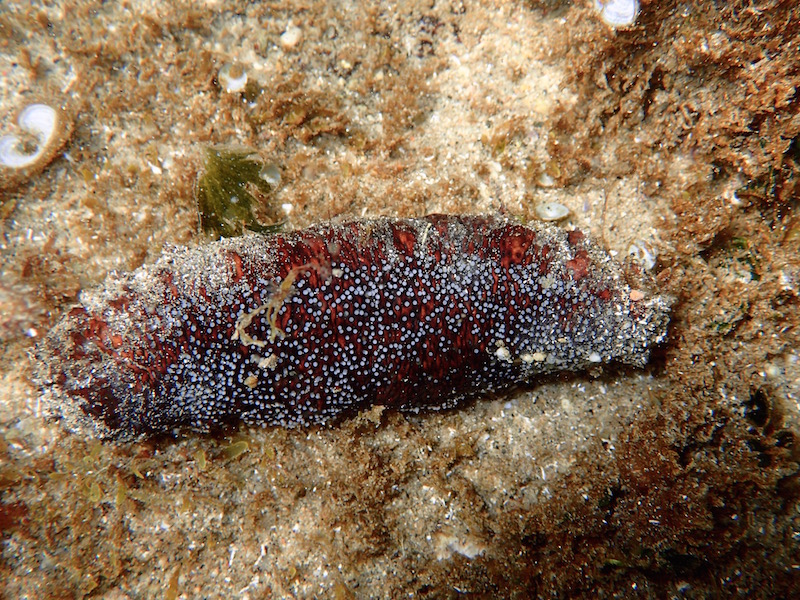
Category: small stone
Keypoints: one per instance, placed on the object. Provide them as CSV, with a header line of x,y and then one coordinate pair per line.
x,y
291,37
636,295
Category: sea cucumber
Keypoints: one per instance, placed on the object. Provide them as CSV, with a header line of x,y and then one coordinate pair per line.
x,y
298,328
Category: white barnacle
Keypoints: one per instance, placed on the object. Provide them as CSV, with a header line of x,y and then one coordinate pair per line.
x,y
232,78
643,253
618,13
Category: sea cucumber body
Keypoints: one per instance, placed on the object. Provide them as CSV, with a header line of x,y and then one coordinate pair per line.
x,y
297,328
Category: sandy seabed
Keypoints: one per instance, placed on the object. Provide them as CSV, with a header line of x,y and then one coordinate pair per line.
x,y
676,139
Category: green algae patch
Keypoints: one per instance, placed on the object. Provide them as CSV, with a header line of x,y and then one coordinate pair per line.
x,y
94,493
121,494
234,192
200,459
172,585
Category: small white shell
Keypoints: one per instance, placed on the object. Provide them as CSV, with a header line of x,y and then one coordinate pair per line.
x,y
232,78
644,254
551,211
291,37
546,181
37,119
618,13
271,174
